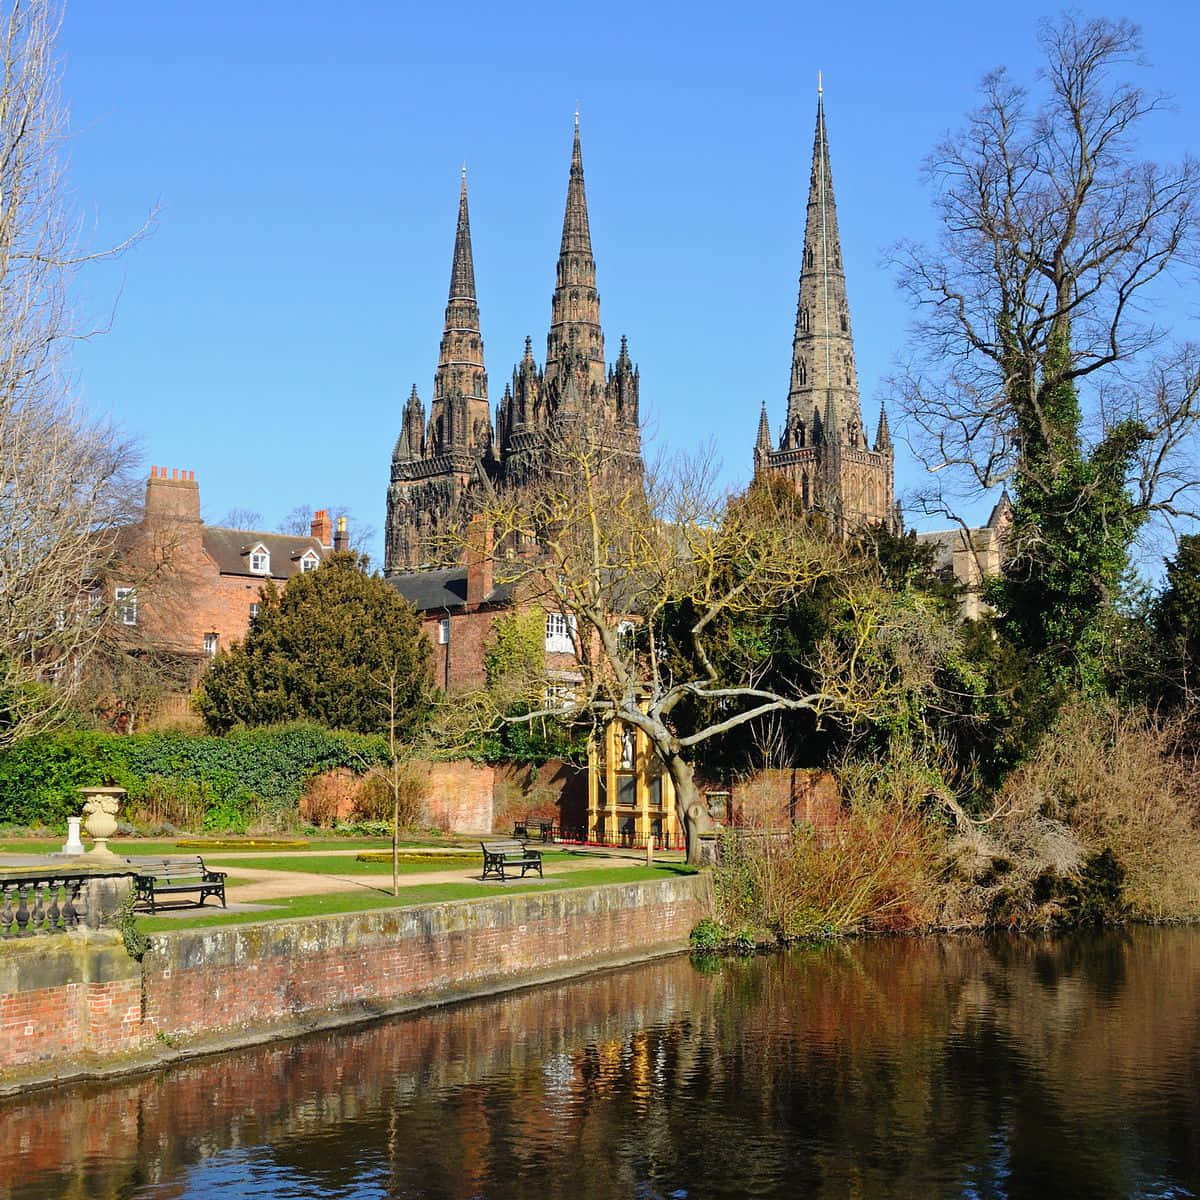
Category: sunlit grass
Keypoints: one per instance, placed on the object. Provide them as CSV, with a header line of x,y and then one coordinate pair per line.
x,y
419,894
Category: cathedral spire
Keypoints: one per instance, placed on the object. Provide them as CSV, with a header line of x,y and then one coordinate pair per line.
x,y
460,416
462,269
823,378
575,310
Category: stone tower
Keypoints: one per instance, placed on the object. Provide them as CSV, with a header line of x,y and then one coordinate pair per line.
x,y
574,381
437,466
434,464
823,449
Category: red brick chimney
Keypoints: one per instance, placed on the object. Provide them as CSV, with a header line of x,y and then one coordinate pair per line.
x,y
322,527
479,562
175,499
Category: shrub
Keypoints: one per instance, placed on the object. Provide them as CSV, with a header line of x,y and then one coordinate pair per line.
x,y
250,778
1111,776
331,795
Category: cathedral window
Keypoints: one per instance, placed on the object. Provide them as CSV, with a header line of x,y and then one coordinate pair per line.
x,y
845,322
808,256
801,372
804,320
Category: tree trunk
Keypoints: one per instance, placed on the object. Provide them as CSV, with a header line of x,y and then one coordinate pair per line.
x,y
692,813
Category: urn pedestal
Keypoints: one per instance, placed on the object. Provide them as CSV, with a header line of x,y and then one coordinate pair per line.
x,y
100,817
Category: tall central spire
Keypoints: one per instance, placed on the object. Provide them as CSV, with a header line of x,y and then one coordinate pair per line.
x,y
575,311
823,396
459,413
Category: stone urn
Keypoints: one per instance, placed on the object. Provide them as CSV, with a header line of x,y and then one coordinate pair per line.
x,y
100,805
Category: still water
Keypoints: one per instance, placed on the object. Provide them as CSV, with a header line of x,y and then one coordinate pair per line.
x,y
934,1068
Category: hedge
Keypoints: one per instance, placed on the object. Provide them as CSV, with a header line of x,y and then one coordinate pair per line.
x,y
232,780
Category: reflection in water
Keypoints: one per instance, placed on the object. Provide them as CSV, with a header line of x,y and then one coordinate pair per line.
x,y
931,1068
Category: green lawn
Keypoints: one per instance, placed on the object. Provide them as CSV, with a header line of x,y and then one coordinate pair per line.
x,y
432,893
330,864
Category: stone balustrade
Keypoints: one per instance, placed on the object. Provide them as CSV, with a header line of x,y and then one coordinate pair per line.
x,y
48,899
40,902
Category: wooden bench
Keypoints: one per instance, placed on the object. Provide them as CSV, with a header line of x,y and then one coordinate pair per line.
x,y
175,877
498,857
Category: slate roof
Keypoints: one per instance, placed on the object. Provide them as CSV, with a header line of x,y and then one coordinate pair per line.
x,y
230,550
444,587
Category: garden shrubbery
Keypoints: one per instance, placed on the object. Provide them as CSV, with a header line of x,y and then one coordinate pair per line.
x,y
248,778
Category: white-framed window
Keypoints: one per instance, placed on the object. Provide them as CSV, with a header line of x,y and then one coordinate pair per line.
x,y
126,605
443,632
210,644
254,611
558,633
95,600
260,560
626,636
309,561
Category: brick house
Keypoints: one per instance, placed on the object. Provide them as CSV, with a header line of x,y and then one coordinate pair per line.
x,y
190,588
458,607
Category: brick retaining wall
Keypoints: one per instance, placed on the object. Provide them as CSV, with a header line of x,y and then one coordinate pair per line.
x,y
72,1005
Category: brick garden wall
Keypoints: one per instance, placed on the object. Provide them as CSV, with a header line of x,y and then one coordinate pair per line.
x,y
460,796
68,1004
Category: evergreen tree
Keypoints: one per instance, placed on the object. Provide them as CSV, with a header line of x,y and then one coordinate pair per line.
x,y
324,649
1177,625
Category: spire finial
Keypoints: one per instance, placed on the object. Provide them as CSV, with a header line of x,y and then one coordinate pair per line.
x,y
576,114
464,173
820,89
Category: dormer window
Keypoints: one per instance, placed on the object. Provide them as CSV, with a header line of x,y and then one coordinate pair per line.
x,y
309,561
260,560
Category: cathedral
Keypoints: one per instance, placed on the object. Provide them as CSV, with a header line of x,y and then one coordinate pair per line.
x,y
442,460
438,463
823,450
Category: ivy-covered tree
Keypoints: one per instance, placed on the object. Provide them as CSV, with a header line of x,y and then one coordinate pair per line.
x,y
337,646
514,663
1040,363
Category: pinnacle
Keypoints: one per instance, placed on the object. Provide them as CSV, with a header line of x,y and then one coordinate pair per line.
x,y
883,436
763,442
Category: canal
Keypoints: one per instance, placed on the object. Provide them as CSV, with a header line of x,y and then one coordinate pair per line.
x,y
945,1067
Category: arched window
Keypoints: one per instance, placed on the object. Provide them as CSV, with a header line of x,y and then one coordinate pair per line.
x,y
801,372
808,256
804,320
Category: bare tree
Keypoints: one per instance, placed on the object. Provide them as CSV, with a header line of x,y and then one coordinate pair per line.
x,y
1056,244
64,478
616,555
299,522
243,518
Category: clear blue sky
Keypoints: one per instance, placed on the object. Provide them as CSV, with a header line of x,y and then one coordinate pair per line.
x,y
306,159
